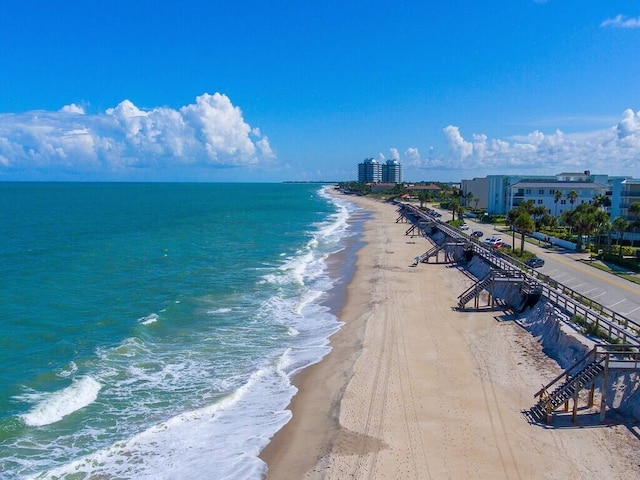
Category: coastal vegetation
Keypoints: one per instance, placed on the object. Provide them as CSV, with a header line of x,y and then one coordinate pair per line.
x,y
593,330
588,224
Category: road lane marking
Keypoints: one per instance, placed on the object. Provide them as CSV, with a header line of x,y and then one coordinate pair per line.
x,y
629,313
617,303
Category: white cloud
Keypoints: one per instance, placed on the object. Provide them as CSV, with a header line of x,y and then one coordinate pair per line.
x,y
394,154
208,133
458,146
614,151
72,108
412,156
621,21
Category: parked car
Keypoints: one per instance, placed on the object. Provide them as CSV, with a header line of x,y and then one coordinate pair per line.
x,y
535,262
498,244
476,233
491,241
464,226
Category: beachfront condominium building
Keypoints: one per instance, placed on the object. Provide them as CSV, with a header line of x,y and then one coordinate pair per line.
x,y
369,171
475,192
505,192
372,171
625,191
563,193
392,172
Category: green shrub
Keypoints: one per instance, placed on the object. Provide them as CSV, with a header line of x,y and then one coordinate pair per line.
x,y
630,264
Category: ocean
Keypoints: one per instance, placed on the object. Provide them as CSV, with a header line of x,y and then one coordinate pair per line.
x,y
152,330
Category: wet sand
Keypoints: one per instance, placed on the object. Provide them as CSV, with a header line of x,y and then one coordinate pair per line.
x,y
414,389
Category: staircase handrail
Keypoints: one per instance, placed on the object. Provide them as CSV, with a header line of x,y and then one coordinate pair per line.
x,y
475,285
603,350
565,373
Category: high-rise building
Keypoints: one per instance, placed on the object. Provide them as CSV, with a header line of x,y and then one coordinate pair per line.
x,y
392,172
369,171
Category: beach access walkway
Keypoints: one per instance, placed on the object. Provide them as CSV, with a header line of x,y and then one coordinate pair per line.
x,y
604,363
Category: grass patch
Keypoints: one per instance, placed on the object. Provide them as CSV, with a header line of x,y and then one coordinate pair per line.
x,y
631,278
593,330
608,269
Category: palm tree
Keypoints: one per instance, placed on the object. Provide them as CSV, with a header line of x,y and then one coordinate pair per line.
x,y
469,198
422,197
524,223
556,198
583,219
476,200
572,196
601,201
634,209
538,212
454,206
527,206
603,225
511,221
620,224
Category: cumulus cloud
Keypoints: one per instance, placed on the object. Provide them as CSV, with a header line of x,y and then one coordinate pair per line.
x,y
621,21
72,108
615,150
412,156
208,133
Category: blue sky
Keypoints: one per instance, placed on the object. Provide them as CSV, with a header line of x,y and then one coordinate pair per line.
x,y
304,90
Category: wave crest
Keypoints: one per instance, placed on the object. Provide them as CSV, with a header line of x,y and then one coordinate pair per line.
x,y
56,406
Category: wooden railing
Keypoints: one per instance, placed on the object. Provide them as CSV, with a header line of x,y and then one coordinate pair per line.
x,y
617,326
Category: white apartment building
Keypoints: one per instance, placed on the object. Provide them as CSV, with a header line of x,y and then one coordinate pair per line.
x,y
544,193
501,193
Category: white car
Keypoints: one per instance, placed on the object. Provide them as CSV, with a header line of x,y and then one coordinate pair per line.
x,y
491,241
464,226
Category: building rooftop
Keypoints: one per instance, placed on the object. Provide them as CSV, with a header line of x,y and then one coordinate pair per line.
x,y
423,187
573,185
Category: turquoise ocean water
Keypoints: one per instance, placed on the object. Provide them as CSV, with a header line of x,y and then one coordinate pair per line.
x,y
151,330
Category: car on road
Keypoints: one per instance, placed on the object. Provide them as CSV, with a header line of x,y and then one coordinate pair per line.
x,y
476,233
491,241
464,226
535,262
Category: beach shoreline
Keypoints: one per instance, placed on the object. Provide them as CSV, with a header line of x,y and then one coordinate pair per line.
x,y
415,389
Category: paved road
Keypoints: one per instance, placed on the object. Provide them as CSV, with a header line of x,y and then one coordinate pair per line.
x,y
566,267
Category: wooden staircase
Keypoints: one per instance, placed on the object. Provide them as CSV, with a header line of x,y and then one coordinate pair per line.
x,y
549,402
474,290
602,361
494,277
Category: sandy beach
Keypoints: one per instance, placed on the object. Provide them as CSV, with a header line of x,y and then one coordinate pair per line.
x,y
413,389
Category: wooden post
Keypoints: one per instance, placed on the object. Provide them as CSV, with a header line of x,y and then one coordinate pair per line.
x,y
603,400
592,392
574,414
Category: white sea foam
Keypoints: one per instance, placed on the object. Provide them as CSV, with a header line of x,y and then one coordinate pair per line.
x,y
218,311
54,407
220,441
69,370
149,319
